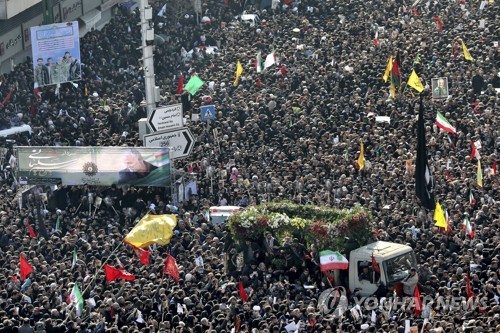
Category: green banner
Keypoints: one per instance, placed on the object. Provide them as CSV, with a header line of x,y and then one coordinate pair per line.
x,y
94,166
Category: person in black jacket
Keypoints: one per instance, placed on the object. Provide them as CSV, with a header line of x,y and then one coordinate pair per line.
x,y
136,167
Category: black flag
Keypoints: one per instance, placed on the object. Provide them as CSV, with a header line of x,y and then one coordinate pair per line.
x,y
424,181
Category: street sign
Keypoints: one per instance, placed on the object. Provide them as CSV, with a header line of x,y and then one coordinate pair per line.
x,y
207,112
166,118
180,142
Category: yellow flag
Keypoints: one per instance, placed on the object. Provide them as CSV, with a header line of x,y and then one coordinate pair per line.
x,y
467,55
239,70
439,217
361,158
415,82
388,69
152,229
393,91
479,174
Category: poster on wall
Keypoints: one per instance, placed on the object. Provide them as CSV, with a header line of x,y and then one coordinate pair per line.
x,y
56,53
94,166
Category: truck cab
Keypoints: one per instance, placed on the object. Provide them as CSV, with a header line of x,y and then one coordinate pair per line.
x,y
394,261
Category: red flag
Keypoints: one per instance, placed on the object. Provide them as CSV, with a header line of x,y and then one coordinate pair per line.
x,y
258,81
242,291
439,23
237,324
115,273
376,41
415,12
470,293
474,154
37,94
33,109
377,233
171,268
30,229
6,99
494,167
25,268
448,177
375,266
448,224
418,302
180,85
143,255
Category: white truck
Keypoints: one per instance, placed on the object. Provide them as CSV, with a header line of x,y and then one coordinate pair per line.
x,y
394,260
220,214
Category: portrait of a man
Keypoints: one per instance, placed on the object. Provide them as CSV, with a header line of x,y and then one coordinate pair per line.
x,y
135,167
440,88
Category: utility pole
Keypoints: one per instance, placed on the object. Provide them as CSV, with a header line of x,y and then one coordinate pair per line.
x,y
147,56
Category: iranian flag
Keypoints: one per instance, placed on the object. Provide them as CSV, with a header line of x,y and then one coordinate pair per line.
x,y
443,124
468,227
258,63
472,200
77,299
330,260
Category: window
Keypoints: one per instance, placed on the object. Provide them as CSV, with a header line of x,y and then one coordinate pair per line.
x,y
396,269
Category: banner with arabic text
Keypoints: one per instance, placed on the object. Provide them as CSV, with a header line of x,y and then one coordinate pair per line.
x,y
94,166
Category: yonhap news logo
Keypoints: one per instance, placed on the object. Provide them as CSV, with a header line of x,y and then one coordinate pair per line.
x,y
334,302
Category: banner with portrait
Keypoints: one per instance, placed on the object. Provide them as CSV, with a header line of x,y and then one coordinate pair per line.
x,y
94,166
56,53
440,88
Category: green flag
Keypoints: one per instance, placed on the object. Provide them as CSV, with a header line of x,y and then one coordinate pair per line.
x,y
58,223
77,299
193,85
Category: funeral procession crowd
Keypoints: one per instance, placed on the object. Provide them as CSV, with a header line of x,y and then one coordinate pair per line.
x,y
299,94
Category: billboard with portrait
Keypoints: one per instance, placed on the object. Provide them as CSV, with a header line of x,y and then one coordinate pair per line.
x,y
56,53
439,87
94,166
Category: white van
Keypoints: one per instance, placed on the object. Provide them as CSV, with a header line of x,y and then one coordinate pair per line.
x,y
220,214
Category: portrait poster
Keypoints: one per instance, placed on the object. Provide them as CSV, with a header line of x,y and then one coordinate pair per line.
x,y
56,53
440,88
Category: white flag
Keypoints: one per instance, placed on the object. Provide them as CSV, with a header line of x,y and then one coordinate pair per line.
x,y
162,10
139,318
374,317
270,60
199,261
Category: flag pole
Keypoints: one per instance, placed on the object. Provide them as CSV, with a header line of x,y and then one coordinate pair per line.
x,y
102,265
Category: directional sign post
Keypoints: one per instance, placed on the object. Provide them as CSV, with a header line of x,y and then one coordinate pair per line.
x,y
180,142
207,112
166,118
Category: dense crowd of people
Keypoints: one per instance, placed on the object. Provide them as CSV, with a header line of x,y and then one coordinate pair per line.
x,y
292,132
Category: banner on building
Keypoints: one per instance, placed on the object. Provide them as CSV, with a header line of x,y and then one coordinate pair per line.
x,y
94,166
56,53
